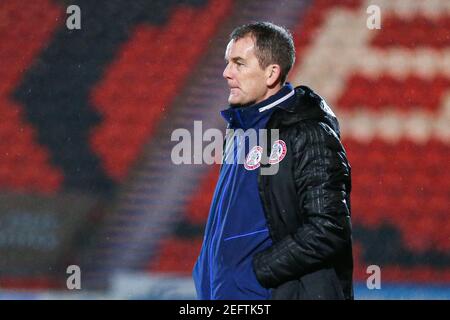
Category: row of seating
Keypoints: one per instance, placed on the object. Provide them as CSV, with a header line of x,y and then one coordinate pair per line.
x,y
169,253
414,31
407,94
25,165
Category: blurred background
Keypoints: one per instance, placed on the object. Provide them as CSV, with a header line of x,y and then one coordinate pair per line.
x,y
86,118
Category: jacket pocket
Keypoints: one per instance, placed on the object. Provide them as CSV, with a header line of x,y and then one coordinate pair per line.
x,y
322,285
245,234
291,290
238,251
319,285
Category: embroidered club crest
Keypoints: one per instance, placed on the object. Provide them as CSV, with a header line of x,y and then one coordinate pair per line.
x,y
253,160
278,152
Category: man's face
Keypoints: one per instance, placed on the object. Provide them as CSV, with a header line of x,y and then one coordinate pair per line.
x,y
245,77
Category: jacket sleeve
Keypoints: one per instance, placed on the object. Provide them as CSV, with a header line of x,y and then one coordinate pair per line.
x,y
322,177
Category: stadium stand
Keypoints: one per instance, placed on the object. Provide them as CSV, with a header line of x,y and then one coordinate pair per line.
x,y
90,112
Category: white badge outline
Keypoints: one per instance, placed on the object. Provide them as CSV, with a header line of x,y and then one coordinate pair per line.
x,y
254,150
280,156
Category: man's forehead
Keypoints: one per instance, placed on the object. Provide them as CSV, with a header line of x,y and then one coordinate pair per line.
x,y
242,48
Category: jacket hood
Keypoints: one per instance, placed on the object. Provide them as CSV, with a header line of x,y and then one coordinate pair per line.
x,y
307,105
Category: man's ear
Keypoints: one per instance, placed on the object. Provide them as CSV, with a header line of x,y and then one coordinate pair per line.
x,y
273,73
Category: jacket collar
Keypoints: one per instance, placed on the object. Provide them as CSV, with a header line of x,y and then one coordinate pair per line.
x,y
306,105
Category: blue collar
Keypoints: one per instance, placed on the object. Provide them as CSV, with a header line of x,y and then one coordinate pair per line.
x,y
248,117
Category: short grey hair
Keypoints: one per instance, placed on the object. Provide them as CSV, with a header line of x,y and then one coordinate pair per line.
x,y
273,44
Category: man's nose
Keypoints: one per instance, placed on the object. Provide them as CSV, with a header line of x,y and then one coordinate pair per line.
x,y
226,72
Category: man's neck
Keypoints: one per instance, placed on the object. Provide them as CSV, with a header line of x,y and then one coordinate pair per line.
x,y
270,92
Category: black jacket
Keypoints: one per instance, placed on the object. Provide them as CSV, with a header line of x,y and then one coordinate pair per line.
x,y
307,206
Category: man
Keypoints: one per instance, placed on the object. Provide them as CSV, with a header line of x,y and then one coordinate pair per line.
x,y
285,235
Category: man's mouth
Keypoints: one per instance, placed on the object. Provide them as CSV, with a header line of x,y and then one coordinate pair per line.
x,y
234,90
